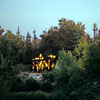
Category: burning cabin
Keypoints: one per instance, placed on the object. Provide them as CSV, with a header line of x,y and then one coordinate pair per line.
x,y
43,63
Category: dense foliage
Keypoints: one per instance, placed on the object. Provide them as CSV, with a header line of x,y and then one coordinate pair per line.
x,y
77,72
65,36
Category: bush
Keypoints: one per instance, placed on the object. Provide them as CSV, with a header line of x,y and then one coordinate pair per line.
x,y
32,84
48,76
60,94
18,85
20,96
46,86
38,95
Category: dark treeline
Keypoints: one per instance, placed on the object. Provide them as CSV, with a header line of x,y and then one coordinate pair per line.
x,y
77,72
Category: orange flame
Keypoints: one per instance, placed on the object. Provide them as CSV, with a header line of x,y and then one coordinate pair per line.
x,y
39,63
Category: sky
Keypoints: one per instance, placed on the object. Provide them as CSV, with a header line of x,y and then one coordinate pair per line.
x,y
42,14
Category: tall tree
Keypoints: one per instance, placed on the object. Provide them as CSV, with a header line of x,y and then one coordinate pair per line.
x,y
79,51
1,31
95,29
12,48
66,36
91,60
28,50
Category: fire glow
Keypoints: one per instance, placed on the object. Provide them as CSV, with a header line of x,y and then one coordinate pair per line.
x,y
40,63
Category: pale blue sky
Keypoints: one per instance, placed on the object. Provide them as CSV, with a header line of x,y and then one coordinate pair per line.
x,y
42,14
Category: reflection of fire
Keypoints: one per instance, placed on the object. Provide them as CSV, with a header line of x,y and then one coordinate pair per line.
x,y
40,63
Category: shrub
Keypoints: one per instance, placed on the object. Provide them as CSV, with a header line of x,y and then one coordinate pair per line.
x,y
46,86
32,84
38,95
18,85
20,96
48,76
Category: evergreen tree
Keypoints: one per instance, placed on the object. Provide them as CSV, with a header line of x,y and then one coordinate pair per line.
x,y
91,60
28,50
66,36
64,64
1,31
80,50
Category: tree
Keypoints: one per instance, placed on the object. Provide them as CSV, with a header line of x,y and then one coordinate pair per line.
x,y
11,48
91,60
66,36
63,68
1,31
80,49
28,50
6,78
